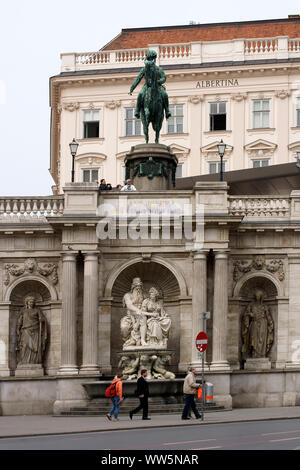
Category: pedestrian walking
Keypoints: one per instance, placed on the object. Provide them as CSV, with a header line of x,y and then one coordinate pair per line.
x,y
114,391
142,392
189,389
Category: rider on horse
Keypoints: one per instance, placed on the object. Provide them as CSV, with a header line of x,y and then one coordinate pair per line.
x,y
150,60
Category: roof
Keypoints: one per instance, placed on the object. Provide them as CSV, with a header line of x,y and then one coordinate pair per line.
x,y
136,38
271,180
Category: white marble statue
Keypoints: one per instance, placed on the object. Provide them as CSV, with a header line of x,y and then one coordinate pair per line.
x,y
146,323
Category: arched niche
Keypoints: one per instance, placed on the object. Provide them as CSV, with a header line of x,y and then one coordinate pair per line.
x,y
152,274
245,291
18,292
140,260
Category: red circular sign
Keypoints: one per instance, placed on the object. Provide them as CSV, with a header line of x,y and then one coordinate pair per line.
x,y
201,341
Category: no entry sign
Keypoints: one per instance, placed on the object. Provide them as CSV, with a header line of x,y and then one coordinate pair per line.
x,y
201,341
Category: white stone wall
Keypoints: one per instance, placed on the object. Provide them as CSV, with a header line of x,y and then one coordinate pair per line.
x,y
197,145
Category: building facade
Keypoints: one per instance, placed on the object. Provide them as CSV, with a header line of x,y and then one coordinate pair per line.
x,y
63,277
238,82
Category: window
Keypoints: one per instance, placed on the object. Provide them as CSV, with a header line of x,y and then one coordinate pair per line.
x,y
90,174
260,163
215,167
90,123
175,122
178,173
217,116
132,124
261,114
298,112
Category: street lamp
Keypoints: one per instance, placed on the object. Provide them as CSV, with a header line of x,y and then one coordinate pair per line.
x,y
298,159
221,150
73,149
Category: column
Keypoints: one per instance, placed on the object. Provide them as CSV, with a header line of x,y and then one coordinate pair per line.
x,y
90,314
69,320
199,301
220,311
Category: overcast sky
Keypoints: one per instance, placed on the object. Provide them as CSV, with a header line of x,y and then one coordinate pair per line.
x,y
33,33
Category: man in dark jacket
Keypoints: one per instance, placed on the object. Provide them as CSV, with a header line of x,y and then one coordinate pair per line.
x,y
103,185
143,394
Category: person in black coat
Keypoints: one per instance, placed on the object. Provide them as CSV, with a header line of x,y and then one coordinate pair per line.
x,y
143,394
103,185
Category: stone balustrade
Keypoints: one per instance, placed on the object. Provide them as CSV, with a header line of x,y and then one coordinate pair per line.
x,y
260,206
29,208
294,45
185,53
261,46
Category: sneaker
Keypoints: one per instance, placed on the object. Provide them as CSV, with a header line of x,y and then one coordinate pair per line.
x,y
146,418
108,416
185,418
115,419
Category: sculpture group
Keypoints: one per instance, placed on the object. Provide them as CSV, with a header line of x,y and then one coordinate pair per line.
x,y
146,323
155,364
145,331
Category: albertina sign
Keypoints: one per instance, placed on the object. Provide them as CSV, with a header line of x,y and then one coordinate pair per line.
x,y
218,83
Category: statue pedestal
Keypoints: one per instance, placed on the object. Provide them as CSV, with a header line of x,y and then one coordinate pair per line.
x,y
29,370
151,167
137,358
261,363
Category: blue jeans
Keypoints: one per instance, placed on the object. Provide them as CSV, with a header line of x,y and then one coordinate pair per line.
x,y
190,403
116,405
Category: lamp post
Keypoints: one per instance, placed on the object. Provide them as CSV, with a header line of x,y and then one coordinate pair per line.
x,y
73,149
221,150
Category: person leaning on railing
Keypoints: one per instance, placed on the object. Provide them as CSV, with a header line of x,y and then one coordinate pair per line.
x,y
128,186
103,185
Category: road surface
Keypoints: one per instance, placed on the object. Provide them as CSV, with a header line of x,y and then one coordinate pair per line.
x,y
259,435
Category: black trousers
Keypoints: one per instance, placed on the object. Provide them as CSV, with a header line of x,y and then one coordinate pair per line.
x,y
142,406
190,403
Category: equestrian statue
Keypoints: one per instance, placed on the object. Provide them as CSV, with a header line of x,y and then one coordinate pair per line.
x,y
153,99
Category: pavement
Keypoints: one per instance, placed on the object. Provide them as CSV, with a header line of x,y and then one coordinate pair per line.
x,y
37,425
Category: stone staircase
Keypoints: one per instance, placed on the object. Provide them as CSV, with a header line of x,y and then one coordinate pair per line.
x,y
95,408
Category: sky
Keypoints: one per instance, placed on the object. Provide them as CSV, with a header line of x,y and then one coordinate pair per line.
x,y
33,33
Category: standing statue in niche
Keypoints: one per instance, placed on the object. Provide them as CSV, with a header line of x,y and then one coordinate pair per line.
x,y
257,328
146,322
31,333
153,99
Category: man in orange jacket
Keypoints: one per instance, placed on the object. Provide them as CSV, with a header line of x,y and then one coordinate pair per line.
x,y
117,399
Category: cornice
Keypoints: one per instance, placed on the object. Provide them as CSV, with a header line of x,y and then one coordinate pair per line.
x,y
178,71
